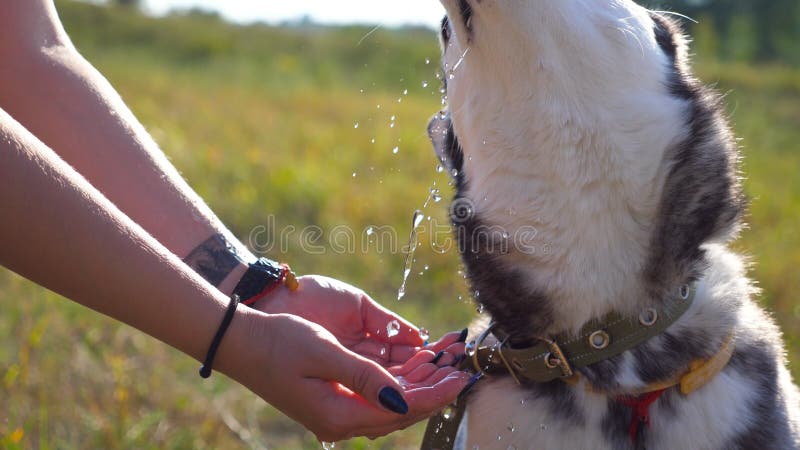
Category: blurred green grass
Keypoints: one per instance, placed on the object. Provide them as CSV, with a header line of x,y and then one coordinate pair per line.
x,y
261,121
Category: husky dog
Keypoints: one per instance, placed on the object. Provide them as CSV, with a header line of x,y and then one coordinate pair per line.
x,y
581,120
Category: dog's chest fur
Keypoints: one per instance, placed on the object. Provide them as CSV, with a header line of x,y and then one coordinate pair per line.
x,y
595,174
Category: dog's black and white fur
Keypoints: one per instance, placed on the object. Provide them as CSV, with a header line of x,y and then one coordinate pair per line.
x,y
582,120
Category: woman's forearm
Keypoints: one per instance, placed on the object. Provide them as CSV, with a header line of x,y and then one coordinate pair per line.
x,y
66,103
60,232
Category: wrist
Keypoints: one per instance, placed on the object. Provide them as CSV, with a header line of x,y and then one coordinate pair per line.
x,y
229,283
235,357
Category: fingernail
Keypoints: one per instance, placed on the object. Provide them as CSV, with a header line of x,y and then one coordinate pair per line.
x,y
463,336
393,401
472,382
437,357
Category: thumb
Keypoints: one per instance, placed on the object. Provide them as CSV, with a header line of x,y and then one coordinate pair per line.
x,y
367,379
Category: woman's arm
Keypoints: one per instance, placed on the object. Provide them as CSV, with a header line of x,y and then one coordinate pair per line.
x,y
52,90
60,232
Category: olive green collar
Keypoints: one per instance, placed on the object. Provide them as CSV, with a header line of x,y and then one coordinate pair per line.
x,y
557,358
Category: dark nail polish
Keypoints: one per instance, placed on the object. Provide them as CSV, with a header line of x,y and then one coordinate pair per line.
x,y
463,336
393,401
425,344
437,357
472,382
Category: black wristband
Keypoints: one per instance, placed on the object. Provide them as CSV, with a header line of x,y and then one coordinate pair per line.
x,y
259,276
205,369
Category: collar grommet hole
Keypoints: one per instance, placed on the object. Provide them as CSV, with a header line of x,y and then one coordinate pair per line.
x,y
599,340
648,317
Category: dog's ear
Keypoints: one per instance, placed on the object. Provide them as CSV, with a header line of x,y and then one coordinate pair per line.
x,y
445,143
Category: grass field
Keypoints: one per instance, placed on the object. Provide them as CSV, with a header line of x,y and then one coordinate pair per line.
x,y
262,122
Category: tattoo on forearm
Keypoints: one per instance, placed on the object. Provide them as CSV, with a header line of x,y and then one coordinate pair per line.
x,y
214,259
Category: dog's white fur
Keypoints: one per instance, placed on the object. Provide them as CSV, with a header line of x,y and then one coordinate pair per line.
x,y
563,113
587,168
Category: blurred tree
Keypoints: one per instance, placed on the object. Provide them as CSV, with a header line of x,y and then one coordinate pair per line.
x,y
128,3
747,29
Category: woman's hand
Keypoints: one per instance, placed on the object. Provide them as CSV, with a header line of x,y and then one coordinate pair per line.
x,y
358,322
300,368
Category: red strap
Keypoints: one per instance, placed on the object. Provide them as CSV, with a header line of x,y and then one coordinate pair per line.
x,y
640,406
269,288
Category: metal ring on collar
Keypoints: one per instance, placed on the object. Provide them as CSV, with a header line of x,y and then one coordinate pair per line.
x,y
477,345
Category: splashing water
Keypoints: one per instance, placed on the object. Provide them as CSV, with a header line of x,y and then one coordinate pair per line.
x,y
424,334
416,221
328,445
436,195
393,328
448,413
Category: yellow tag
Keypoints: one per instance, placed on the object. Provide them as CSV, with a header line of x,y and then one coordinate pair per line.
x,y
291,281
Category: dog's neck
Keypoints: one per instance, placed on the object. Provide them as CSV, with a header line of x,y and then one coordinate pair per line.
x,y
590,194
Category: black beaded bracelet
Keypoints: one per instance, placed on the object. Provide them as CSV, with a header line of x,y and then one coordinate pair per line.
x,y
205,369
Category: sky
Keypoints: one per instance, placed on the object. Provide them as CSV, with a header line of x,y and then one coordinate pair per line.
x,y
390,13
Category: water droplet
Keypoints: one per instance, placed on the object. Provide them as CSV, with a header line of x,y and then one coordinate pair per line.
x,y
451,74
424,84
427,61
328,445
379,106
393,328
354,174
356,125
448,413
383,352
454,172
427,267
511,427
499,437
543,427
481,308
391,125
372,141
436,195
522,401
405,91
370,231
396,150
418,218
424,334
